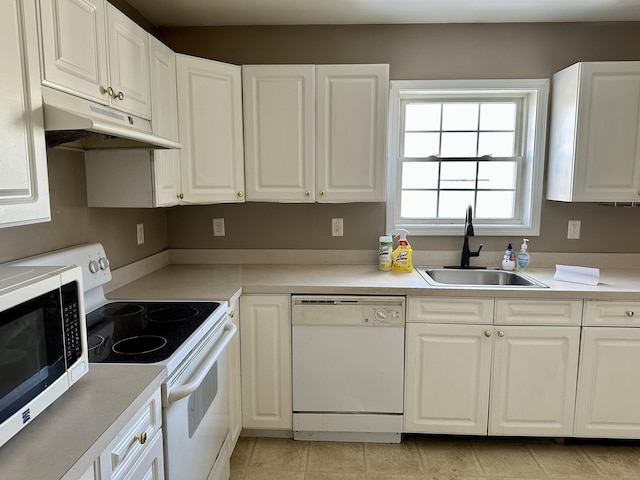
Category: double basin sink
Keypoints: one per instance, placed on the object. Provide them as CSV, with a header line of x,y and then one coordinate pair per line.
x,y
463,277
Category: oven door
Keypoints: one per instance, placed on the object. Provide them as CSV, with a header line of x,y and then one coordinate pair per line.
x,y
196,411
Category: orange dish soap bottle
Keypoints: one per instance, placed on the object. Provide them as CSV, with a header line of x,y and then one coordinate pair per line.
x,y
403,254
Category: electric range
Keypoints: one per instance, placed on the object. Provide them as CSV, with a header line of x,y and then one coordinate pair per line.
x,y
133,331
190,338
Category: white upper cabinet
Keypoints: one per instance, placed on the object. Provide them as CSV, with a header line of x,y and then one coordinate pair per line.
x,y
164,112
24,189
152,178
210,117
594,153
279,128
351,132
92,50
128,64
74,47
315,133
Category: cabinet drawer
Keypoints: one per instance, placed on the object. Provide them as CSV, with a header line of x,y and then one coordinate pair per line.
x,y
538,312
612,313
450,310
133,441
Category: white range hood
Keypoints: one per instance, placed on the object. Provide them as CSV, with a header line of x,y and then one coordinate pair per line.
x,y
74,123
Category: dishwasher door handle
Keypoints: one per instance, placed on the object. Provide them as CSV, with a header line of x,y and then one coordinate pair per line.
x,y
188,388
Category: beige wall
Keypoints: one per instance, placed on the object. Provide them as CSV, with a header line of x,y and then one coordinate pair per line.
x,y
413,52
438,51
73,223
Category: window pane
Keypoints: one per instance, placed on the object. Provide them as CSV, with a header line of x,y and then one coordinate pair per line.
x,y
498,116
459,144
422,116
420,175
459,175
494,175
495,205
460,116
421,144
498,144
454,204
418,204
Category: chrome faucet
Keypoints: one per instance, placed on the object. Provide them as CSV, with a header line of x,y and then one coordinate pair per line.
x,y
468,232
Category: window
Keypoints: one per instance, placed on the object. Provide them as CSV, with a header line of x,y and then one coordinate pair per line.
x,y
459,143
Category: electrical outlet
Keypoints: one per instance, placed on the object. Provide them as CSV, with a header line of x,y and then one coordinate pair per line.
x,y
337,227
218,227
140,233
573,230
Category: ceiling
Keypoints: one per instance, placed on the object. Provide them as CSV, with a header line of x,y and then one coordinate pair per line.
x,y
307,12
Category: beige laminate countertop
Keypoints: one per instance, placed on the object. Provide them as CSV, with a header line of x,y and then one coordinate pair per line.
x,y
64,440
226,282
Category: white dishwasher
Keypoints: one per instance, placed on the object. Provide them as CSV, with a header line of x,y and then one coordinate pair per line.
x,y
348,367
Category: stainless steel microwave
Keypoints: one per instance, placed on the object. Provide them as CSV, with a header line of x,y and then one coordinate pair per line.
x,y
43,341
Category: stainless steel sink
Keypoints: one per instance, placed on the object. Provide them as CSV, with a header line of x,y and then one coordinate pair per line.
x,y
459,277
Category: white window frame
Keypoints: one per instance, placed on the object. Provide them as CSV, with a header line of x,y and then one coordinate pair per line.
x,y
535,95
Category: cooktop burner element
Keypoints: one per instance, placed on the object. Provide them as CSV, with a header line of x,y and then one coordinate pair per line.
x,y
139,345
143,332
173,313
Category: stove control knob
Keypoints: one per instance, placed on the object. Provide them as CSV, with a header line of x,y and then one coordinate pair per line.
x,y
103,262
94,266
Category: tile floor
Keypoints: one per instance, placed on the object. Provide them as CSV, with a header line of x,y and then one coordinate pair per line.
x,y
434,458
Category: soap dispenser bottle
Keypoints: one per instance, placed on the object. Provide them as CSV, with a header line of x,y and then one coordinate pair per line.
x,y
523,255
508,261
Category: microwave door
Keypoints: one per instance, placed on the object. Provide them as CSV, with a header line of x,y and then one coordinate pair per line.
x,y
31,351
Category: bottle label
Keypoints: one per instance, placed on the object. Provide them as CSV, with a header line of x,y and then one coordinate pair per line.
x,y
523,260
402,257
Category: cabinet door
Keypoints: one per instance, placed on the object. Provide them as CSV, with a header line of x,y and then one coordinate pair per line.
x,y
351,132
74,47
128,64
235,386
210,116
164,120
133,447
609,384
608,151
151,465
447,378
279,127
534,380
24,189
265,348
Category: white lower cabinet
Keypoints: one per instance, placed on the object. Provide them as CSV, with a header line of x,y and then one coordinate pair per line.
x,y
265,348
533,384
137,451
480,379
448,369
609,383
235,385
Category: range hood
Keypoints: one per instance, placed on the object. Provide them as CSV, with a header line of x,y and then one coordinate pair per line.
x,y
78,124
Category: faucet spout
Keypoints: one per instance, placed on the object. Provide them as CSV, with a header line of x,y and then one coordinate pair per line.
x,y
467,253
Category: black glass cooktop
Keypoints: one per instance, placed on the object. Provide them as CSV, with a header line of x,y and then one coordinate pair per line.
x,y
143,332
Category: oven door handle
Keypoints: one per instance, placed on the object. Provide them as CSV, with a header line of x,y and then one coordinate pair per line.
x,y
188,388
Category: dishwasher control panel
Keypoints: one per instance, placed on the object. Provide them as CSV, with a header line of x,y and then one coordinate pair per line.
x,y
348,310
387,315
